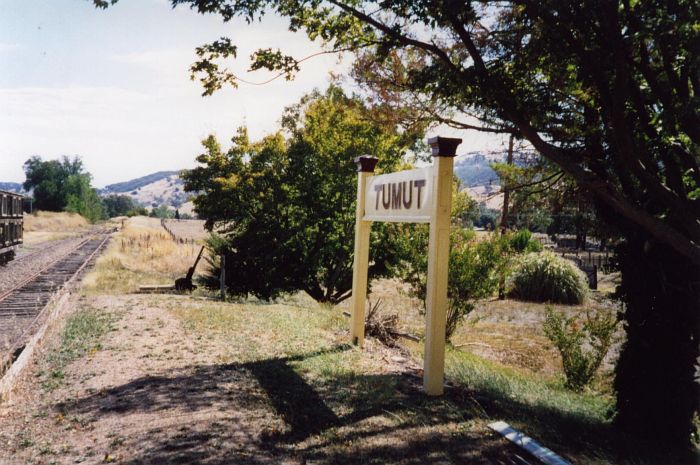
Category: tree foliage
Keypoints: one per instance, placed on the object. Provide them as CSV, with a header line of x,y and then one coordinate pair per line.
x,y
607,91
162,211
286,207
543,198
475,265
49,181
63,184
121,205
81,198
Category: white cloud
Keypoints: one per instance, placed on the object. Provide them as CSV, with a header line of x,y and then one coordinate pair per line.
x,y
150,116
8,47
155,58
122,134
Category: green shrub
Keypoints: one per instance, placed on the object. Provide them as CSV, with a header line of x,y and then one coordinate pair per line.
x,y
474,269
544,277
522,241
582,345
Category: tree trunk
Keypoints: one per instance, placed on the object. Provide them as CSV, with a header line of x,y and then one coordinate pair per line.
x,y
506,189
656,393
504,215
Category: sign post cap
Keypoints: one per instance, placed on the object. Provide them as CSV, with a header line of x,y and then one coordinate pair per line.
x,y
444,146
366,163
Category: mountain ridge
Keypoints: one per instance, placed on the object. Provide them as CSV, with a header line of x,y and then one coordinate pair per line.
x,y
137,183
167,188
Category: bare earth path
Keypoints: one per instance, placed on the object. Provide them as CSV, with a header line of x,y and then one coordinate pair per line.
x,y
150,393
161,389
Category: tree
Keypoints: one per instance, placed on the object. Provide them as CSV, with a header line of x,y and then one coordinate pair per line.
x,y
605,90
162,211
49,179
286,207
545,199
63,185
82,199
119,205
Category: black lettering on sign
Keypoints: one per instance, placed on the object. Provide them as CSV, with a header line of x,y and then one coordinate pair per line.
x,y
398,195
395,196
386,197
377,188
420,183
407,203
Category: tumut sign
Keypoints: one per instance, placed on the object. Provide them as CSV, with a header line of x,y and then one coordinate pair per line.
x,y
415,196
405,196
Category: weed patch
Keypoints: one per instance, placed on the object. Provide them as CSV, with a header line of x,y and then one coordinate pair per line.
x,y
81,336
544,408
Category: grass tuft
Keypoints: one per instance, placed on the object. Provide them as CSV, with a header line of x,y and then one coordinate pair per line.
x,y
80,337
543,407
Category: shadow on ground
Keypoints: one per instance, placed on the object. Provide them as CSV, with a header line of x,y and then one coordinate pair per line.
x,y
265,412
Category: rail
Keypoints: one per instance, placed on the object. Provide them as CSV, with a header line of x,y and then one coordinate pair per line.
x,y
24,306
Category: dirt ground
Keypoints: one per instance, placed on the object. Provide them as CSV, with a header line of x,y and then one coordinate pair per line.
x,y
188,379
159,390
134,401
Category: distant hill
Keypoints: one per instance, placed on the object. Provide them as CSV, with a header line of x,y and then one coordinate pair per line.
x,y
479,179
11,187
153,190
474,169
137,183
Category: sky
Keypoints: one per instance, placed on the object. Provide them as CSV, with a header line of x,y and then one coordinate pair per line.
x,y
112,86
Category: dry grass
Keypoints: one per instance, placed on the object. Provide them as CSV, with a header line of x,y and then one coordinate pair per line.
x,y
185,379
350,381
140,253
54,222
187,229
508,331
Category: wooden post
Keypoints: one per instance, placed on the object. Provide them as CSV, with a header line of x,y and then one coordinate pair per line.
x,y
222,277
365,168
444,150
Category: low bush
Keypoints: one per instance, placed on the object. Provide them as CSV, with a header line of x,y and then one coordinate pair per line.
x,y
522,241
473,273
581,344
544,277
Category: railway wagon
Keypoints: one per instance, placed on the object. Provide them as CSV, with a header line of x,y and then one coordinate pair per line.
x,y
11,225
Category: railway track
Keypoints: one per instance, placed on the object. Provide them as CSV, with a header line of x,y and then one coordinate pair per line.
x,y
22,308
42,248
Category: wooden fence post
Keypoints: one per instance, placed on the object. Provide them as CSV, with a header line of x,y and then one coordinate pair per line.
x,y
365,168
222,277
443,151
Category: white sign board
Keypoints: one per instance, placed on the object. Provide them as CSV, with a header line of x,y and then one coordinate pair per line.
x,y
404,196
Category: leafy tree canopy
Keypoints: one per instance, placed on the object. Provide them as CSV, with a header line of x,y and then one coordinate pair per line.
x,y
607,91
162,211
48,181
59,185
120,205
604,90
286,207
